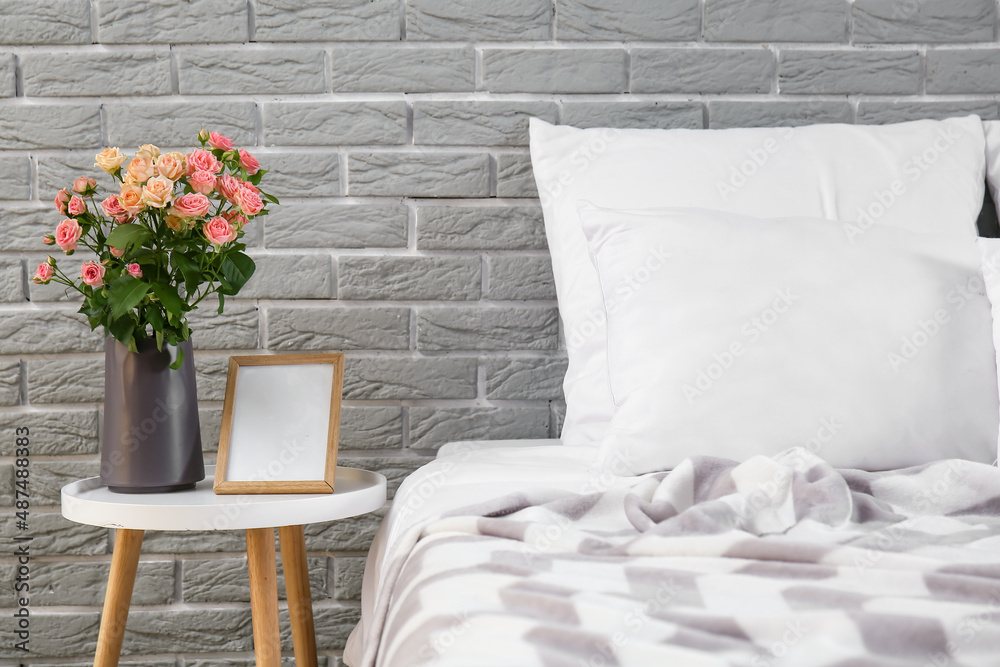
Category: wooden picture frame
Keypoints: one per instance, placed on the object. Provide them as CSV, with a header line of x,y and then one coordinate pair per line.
x,y
279,425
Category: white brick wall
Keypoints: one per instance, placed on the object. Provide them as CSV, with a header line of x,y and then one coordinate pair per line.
x,y
409,235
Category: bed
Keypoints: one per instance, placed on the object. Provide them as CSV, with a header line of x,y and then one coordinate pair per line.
x,y
814,486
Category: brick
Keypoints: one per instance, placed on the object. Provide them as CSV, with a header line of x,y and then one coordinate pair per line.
x,y
334,123
57,171
324,225
338,328
226,579
395,468
849,72
514,176
235,328
524,378
364,69
10,383
11,280
193,542
22,227
62,126
243,72
15,177
431,427
65,380
61,634
775,20
371,427
348,573
199,629
468,328
300,174
52,432
327,20
925,21
419,174
963,71
402,278
520,277
52,535
83,584
8,75
554,70
557,412
122,663
333,625
482,20
290,277
351,534
685,70
732,113
878,111
388,378
96,74
210,375
47,331
167,22
210,420
480,228
177,123
48,477
663,115
639,20
477,123
47,22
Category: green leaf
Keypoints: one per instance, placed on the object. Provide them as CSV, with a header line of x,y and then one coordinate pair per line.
x,y
222,302
124,236
159,340
180,359
237,269
122,329
271,198
171,300
155,318
126,293
189,268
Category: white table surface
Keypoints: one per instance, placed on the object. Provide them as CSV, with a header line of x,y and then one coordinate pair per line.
x,y
89,502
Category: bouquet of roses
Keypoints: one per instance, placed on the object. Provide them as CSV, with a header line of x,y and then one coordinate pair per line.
x,y
169,238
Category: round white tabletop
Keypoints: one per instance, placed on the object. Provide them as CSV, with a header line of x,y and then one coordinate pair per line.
x,y
90,502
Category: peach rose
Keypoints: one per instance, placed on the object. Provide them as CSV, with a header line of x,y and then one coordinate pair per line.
x,y
249,201
218,230
249,162
228,187
202,160
158,192
44,273
202,182
76,206
116,252
139,171
170,165
134,270
131,199
191,206
62,198
92,273
68,232
84,185
110,160
216,140
176,222
148,151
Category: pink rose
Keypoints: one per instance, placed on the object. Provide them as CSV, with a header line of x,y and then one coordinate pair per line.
x,y
202,182
92,273
249,200
249,162
68,232
134,270
229,186
84,185
236,218
116,252
216,140
62,198
191,206
219,231
202,160
44,273
76,206
113,208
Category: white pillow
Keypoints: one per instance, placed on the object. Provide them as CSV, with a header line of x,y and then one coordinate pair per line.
x,y
991,130
732,336
925,175
990,249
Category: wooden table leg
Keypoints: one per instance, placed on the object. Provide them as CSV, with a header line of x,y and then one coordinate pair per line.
x,y
293,561
264,596
124,561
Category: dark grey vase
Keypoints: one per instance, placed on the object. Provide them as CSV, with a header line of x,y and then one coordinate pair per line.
x,y
151,440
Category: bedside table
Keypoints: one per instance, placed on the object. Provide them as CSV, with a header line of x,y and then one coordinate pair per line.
x,y
87,501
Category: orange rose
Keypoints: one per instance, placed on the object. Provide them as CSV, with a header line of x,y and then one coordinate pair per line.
x,y
139,170
170,165
131,199
158,192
